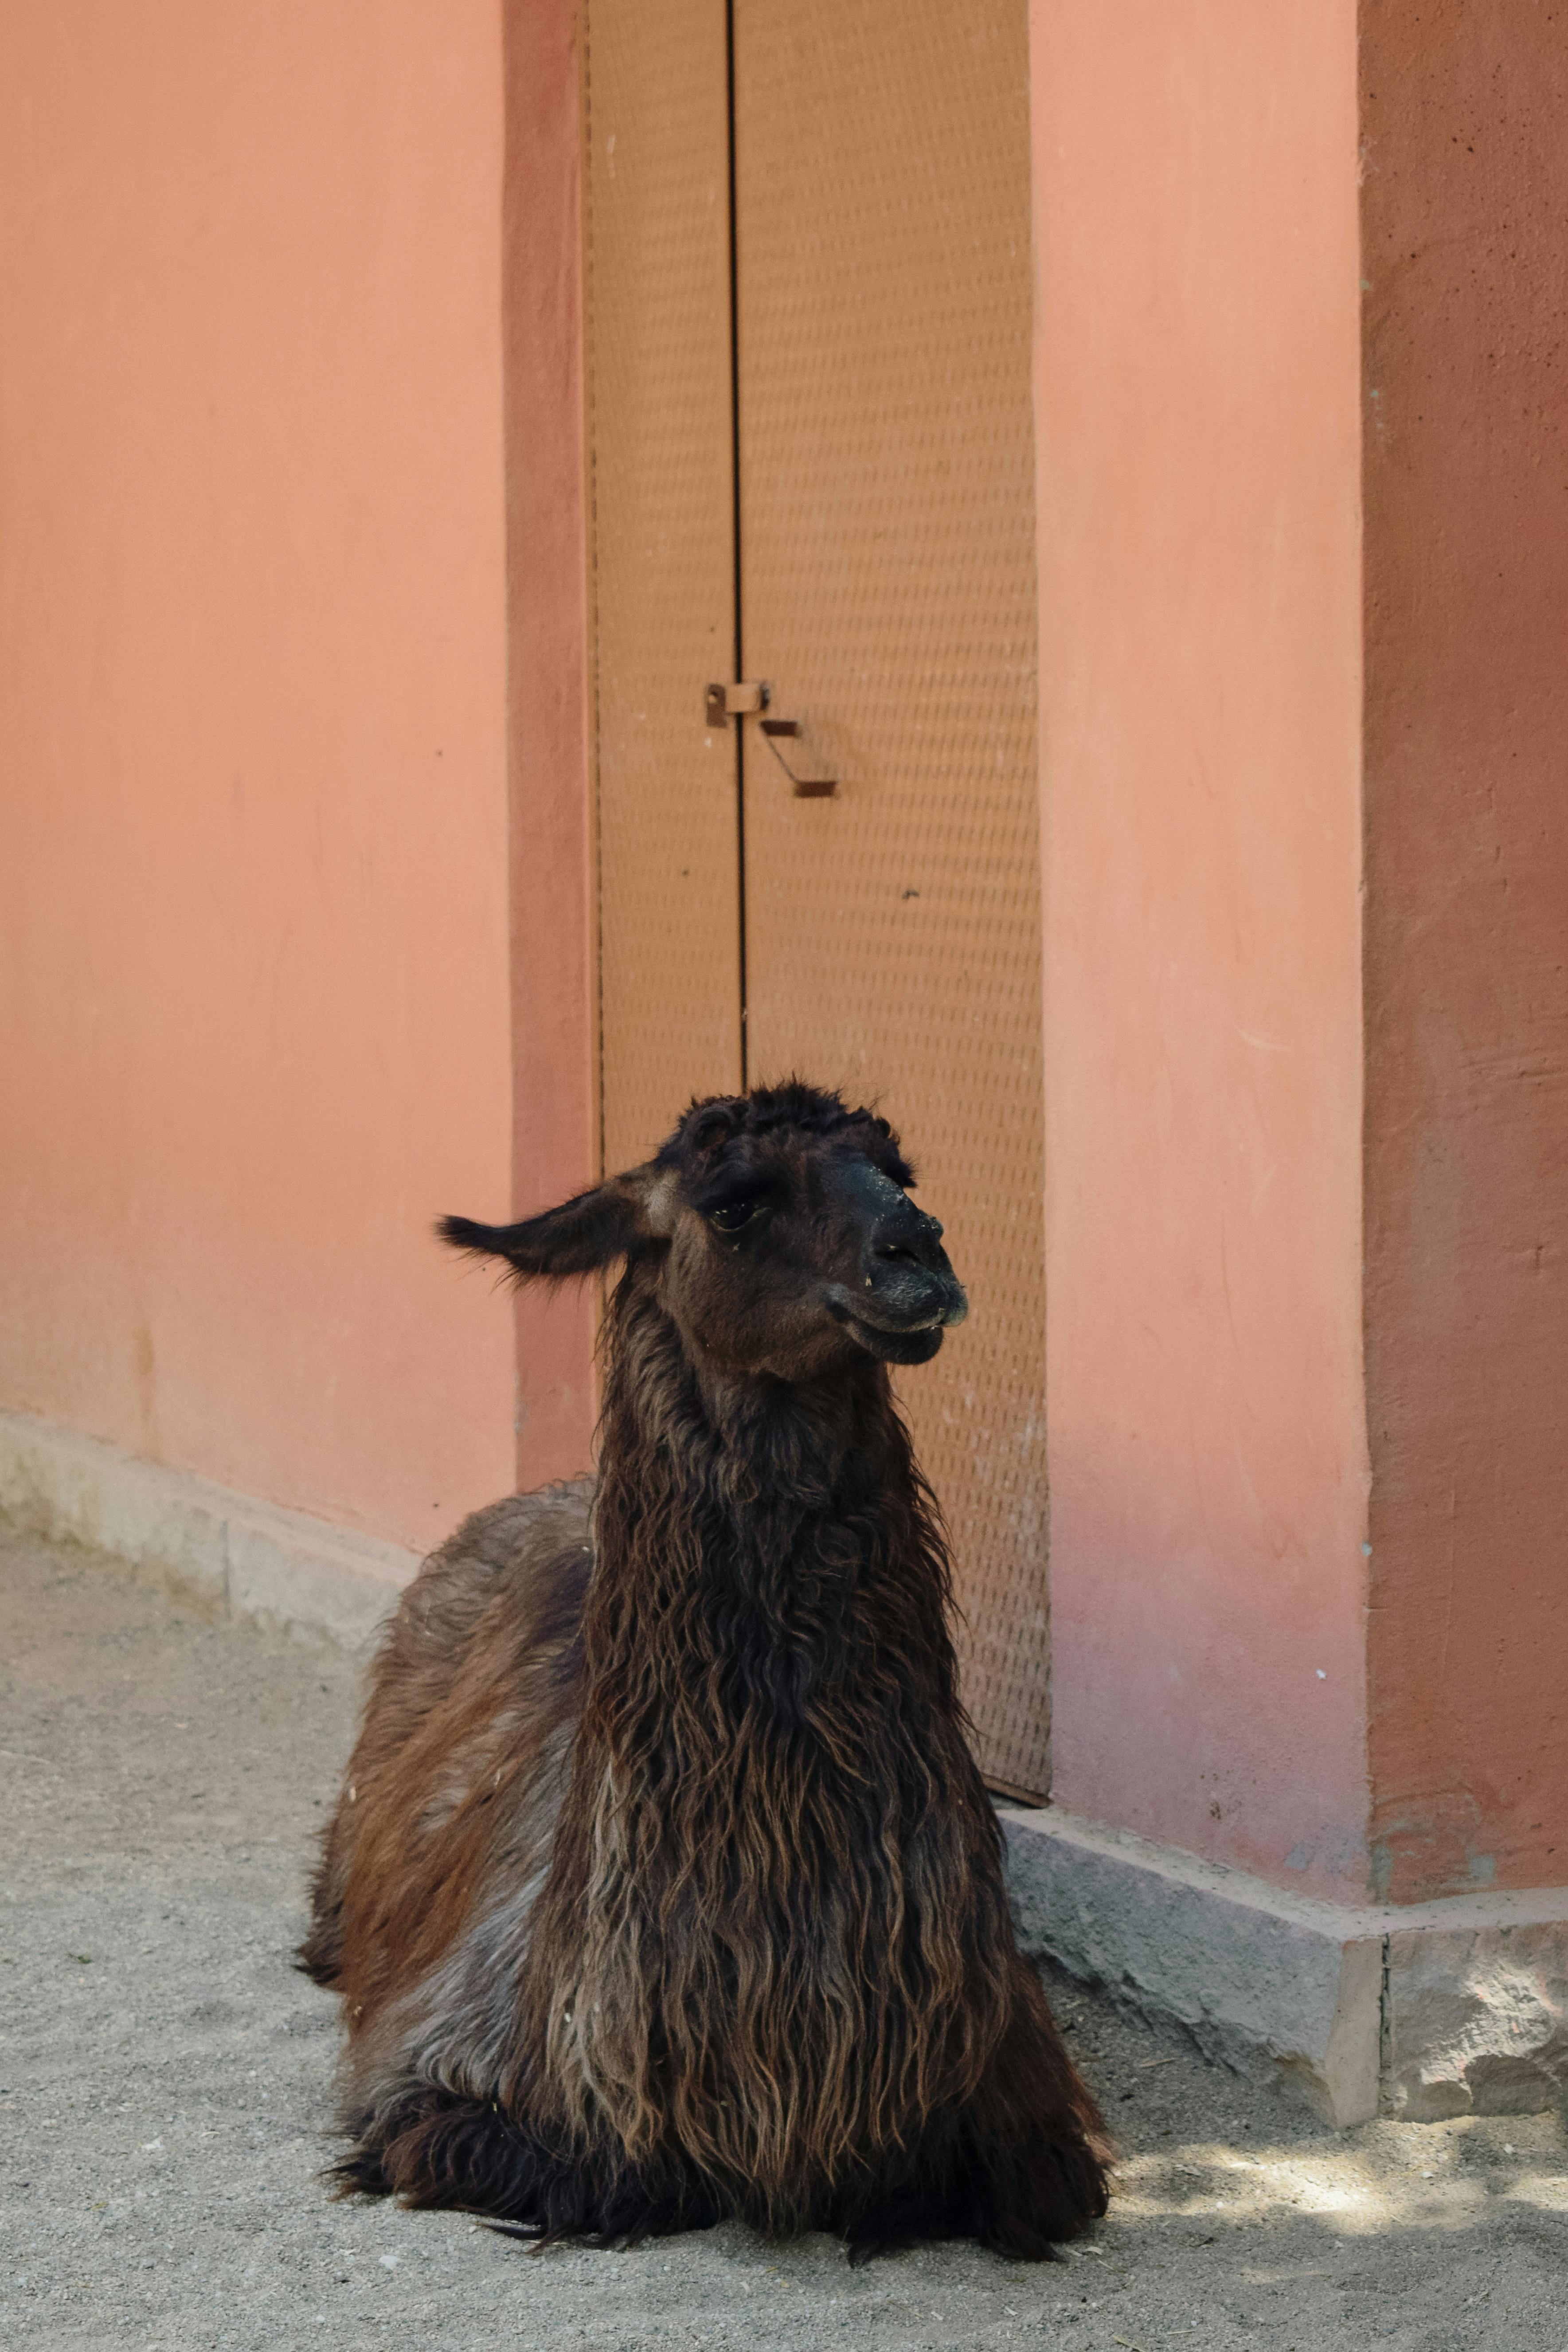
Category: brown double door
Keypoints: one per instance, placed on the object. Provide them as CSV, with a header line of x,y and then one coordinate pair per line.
x,y
812,465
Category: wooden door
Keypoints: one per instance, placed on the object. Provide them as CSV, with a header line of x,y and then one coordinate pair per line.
x,y
880,471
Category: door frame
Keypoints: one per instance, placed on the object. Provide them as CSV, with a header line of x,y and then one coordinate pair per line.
x,y
551,881
551,750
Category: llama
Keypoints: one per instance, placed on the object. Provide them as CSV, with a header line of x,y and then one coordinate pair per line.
x,y
663,1886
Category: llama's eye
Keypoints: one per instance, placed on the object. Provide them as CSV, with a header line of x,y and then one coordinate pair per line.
x,y
731,1215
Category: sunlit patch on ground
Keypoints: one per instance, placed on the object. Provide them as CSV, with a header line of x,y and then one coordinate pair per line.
x,y
1410,2175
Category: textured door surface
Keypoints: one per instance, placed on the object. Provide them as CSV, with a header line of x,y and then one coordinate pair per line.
x,y
881,404
888,596
661,438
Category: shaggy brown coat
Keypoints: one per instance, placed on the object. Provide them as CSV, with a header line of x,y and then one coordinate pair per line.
x,y
663,1885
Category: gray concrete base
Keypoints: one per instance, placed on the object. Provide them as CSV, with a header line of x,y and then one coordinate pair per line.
x,y
1433,2009
231,1555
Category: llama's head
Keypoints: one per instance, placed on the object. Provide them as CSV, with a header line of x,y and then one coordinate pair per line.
x,y
778,1230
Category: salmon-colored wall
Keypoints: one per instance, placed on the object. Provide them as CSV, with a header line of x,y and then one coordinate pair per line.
x,y
1464,213
296,933
1197,336
254,893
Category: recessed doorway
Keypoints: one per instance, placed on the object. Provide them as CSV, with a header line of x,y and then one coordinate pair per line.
x,y
812,470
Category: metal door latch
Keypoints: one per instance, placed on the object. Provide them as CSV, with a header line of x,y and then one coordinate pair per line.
x,y
806,788
722,703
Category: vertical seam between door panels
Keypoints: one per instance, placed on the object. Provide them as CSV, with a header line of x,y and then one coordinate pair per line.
x,y
735,505
590,422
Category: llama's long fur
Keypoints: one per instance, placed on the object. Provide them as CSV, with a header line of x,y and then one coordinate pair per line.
x,y
664,1885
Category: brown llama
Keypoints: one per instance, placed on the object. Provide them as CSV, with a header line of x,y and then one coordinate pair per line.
x,y
663,1886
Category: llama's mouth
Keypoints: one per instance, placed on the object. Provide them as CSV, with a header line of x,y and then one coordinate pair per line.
x,y
895,1347
914,1342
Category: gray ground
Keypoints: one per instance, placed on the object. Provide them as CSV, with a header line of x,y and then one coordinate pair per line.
x,y
164,2080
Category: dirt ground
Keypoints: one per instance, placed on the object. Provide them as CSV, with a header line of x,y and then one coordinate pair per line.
x,y
165,2081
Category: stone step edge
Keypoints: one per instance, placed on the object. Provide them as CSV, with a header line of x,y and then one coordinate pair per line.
x,y
231,1555
1441,2009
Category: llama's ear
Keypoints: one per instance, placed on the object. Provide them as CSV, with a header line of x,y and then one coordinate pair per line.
x,y
582,1236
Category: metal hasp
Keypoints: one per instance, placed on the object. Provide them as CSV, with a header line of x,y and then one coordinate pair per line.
x,y
721,703
806,788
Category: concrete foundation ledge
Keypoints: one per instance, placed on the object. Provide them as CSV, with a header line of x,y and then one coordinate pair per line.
x,y
228,1553
1433,2010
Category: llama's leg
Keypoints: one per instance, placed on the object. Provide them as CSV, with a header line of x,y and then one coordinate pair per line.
x,y
1022,2201
1023,2166
431,2147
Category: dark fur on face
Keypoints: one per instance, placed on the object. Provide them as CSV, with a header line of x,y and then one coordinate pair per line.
x,y
664,1887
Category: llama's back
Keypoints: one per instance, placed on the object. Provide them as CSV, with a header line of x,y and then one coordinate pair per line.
x,y
451,1794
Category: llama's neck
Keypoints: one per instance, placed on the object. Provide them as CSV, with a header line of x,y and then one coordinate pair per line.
x,y
776,1541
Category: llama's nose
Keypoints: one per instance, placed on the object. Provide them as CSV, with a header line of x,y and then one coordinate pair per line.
x,y
910,1234
906,1269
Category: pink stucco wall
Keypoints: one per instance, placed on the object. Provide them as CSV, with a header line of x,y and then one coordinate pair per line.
x,y
255,1015
296,927
1197,335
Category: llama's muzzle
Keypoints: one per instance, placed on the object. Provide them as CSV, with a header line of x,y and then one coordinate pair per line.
x,y
908,1292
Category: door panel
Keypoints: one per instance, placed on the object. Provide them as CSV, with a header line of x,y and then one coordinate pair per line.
x,y
662,498
887,597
